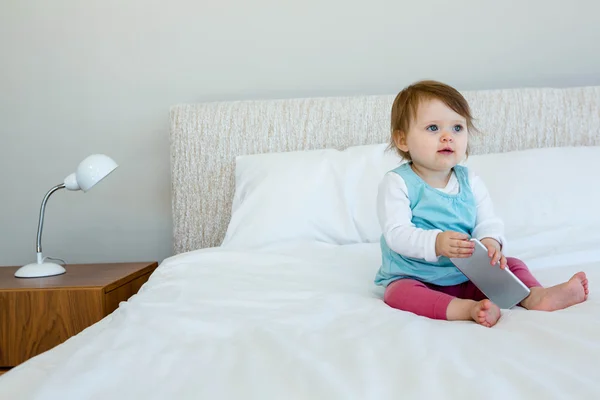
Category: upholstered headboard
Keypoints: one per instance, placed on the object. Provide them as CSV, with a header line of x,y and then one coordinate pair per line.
x,y
206,138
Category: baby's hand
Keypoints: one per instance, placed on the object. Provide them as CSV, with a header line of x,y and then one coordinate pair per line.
x,y
494,251
453,245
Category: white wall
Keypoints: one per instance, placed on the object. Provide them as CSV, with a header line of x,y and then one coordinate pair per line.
x,y
80,77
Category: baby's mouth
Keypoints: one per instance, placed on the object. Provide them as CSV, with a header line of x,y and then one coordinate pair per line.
x,y
446,151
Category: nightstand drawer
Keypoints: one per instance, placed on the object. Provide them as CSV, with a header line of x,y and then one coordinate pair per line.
x,y
34,321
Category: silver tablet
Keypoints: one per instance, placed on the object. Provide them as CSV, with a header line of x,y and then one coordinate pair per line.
x,y
501,286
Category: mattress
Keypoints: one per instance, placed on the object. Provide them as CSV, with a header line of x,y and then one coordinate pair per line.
x,y
305,321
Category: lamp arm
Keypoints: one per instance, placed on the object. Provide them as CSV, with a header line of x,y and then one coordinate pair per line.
x,y
41,221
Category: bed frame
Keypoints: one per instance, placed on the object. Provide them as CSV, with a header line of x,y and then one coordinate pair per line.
x,y
206,138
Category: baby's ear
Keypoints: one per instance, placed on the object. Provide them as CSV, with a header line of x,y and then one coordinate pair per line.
x,y
400,140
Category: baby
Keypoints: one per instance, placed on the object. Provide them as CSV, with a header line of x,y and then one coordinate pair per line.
x,y
431,206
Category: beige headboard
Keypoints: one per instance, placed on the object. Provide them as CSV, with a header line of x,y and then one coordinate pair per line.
x,y
206,138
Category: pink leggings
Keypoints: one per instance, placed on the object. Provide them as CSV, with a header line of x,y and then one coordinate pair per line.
x,y
432,301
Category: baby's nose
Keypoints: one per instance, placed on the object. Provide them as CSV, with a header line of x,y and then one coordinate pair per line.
x,y
446,136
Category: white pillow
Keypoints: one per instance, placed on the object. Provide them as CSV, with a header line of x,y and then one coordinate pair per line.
x,y
547,197
319,195
330,195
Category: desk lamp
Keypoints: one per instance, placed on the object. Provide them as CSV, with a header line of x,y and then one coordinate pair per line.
x,y
89,172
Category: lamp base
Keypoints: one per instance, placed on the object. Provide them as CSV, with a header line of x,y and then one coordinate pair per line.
x,y
36,270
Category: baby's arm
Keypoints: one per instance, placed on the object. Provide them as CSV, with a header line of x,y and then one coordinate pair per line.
x,y
488,224
395,218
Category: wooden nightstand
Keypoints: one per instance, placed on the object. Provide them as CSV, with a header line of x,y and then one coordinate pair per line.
x,y
37,314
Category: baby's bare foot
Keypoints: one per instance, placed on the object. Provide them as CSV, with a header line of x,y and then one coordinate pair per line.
x,y
567,294
485,313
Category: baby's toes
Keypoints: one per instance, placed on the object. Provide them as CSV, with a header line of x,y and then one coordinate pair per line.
x,y
482,317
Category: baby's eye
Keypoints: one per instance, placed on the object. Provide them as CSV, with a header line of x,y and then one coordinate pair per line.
x,y
432,128
457,128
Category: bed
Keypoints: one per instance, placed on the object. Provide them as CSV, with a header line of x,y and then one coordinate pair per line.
x,y
270,292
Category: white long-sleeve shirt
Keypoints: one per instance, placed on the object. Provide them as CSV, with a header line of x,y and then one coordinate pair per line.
x,y
403,237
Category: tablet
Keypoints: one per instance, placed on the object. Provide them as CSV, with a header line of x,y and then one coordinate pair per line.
x,y
501,286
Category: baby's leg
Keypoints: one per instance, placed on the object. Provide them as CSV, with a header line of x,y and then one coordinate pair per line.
x,y
564,295
521,271
416,297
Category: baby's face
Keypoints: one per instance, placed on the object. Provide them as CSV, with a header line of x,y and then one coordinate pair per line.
x,y
437,138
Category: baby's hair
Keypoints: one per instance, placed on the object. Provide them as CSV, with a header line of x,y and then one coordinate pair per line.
x,y
406,104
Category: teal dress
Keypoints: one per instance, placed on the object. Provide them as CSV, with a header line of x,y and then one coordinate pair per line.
x,y
431,209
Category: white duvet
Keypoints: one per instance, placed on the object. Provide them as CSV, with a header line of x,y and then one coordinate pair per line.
x,y
304,321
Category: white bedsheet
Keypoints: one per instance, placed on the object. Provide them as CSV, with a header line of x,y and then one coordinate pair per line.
x,y
304,321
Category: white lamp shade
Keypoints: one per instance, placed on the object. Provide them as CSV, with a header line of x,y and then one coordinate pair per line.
x,y
89,172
